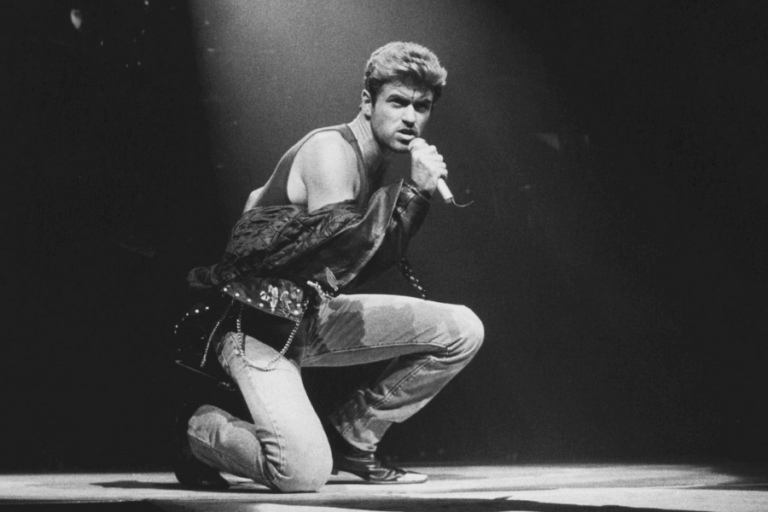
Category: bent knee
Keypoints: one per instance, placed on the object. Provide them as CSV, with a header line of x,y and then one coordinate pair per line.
x,y
302,481
471,328
305,474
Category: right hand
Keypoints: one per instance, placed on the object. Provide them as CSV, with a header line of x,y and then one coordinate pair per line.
x,y
427,165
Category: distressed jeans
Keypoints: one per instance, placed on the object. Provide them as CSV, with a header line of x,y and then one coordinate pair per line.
x,y
286,448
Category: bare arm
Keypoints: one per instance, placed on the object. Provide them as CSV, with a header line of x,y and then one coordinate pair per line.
x,y
326,168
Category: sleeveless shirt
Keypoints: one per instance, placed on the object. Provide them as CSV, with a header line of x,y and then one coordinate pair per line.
x,y
275,191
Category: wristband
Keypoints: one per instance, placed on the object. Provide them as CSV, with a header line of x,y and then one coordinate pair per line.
x,y
413,187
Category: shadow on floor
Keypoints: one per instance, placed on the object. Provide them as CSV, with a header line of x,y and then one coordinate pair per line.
x,y
137,484
383,504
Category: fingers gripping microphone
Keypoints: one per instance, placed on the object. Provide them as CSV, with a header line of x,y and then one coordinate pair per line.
x,y
442,186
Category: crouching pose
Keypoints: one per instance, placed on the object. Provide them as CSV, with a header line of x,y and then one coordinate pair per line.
x,y
322,225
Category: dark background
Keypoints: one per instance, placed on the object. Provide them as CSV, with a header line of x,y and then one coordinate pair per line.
x,y
615,152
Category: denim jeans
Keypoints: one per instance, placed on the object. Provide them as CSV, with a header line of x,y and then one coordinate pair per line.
x,y
286,448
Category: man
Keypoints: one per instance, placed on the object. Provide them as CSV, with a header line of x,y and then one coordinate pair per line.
x,y
320,226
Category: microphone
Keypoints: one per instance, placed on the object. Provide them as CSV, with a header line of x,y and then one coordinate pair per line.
x,y
442,186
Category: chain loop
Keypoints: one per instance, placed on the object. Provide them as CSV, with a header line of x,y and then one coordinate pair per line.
x,y
407,271
241,347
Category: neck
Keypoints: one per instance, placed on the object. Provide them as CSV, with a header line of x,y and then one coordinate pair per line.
x,y
374,157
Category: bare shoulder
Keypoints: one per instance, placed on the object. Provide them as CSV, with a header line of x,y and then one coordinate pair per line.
x,y
326,168
327,147
327,155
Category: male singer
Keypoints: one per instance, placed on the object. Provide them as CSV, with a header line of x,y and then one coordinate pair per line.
x,y
349,228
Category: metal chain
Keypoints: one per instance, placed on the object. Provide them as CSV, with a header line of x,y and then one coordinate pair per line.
x,y
241,347
407,271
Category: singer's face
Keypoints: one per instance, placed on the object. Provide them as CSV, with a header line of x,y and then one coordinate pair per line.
x,y
399,115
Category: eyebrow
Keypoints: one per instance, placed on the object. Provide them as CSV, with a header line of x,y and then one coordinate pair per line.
x,y
400,96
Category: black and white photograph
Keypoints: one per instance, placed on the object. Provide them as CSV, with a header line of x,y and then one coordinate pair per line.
x,y
384,255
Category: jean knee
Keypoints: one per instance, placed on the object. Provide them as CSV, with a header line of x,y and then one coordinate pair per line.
x,y
305,474
471,328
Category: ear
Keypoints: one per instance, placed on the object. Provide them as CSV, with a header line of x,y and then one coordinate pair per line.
x,y
366,104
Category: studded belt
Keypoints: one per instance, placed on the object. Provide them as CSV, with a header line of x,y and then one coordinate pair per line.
x,y
272,295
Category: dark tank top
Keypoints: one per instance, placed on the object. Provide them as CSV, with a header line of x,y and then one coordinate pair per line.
x,y
275,192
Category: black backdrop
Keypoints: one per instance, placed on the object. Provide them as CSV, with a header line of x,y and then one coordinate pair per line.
x,y
615,250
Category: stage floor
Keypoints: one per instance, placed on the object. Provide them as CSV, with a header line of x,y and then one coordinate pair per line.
x,y
535,488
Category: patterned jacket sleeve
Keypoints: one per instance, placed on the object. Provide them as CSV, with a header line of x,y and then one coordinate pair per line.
x,y
334,245
410,210
373,242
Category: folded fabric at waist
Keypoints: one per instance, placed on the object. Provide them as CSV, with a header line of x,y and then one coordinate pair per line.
x,y
271,295
269,329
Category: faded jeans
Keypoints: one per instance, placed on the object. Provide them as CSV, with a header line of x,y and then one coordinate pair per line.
x,y
286,448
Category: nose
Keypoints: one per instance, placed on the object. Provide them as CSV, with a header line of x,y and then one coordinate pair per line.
x,y
409,115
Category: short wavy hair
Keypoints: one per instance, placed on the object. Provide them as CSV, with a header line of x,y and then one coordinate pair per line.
x,y
407,63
